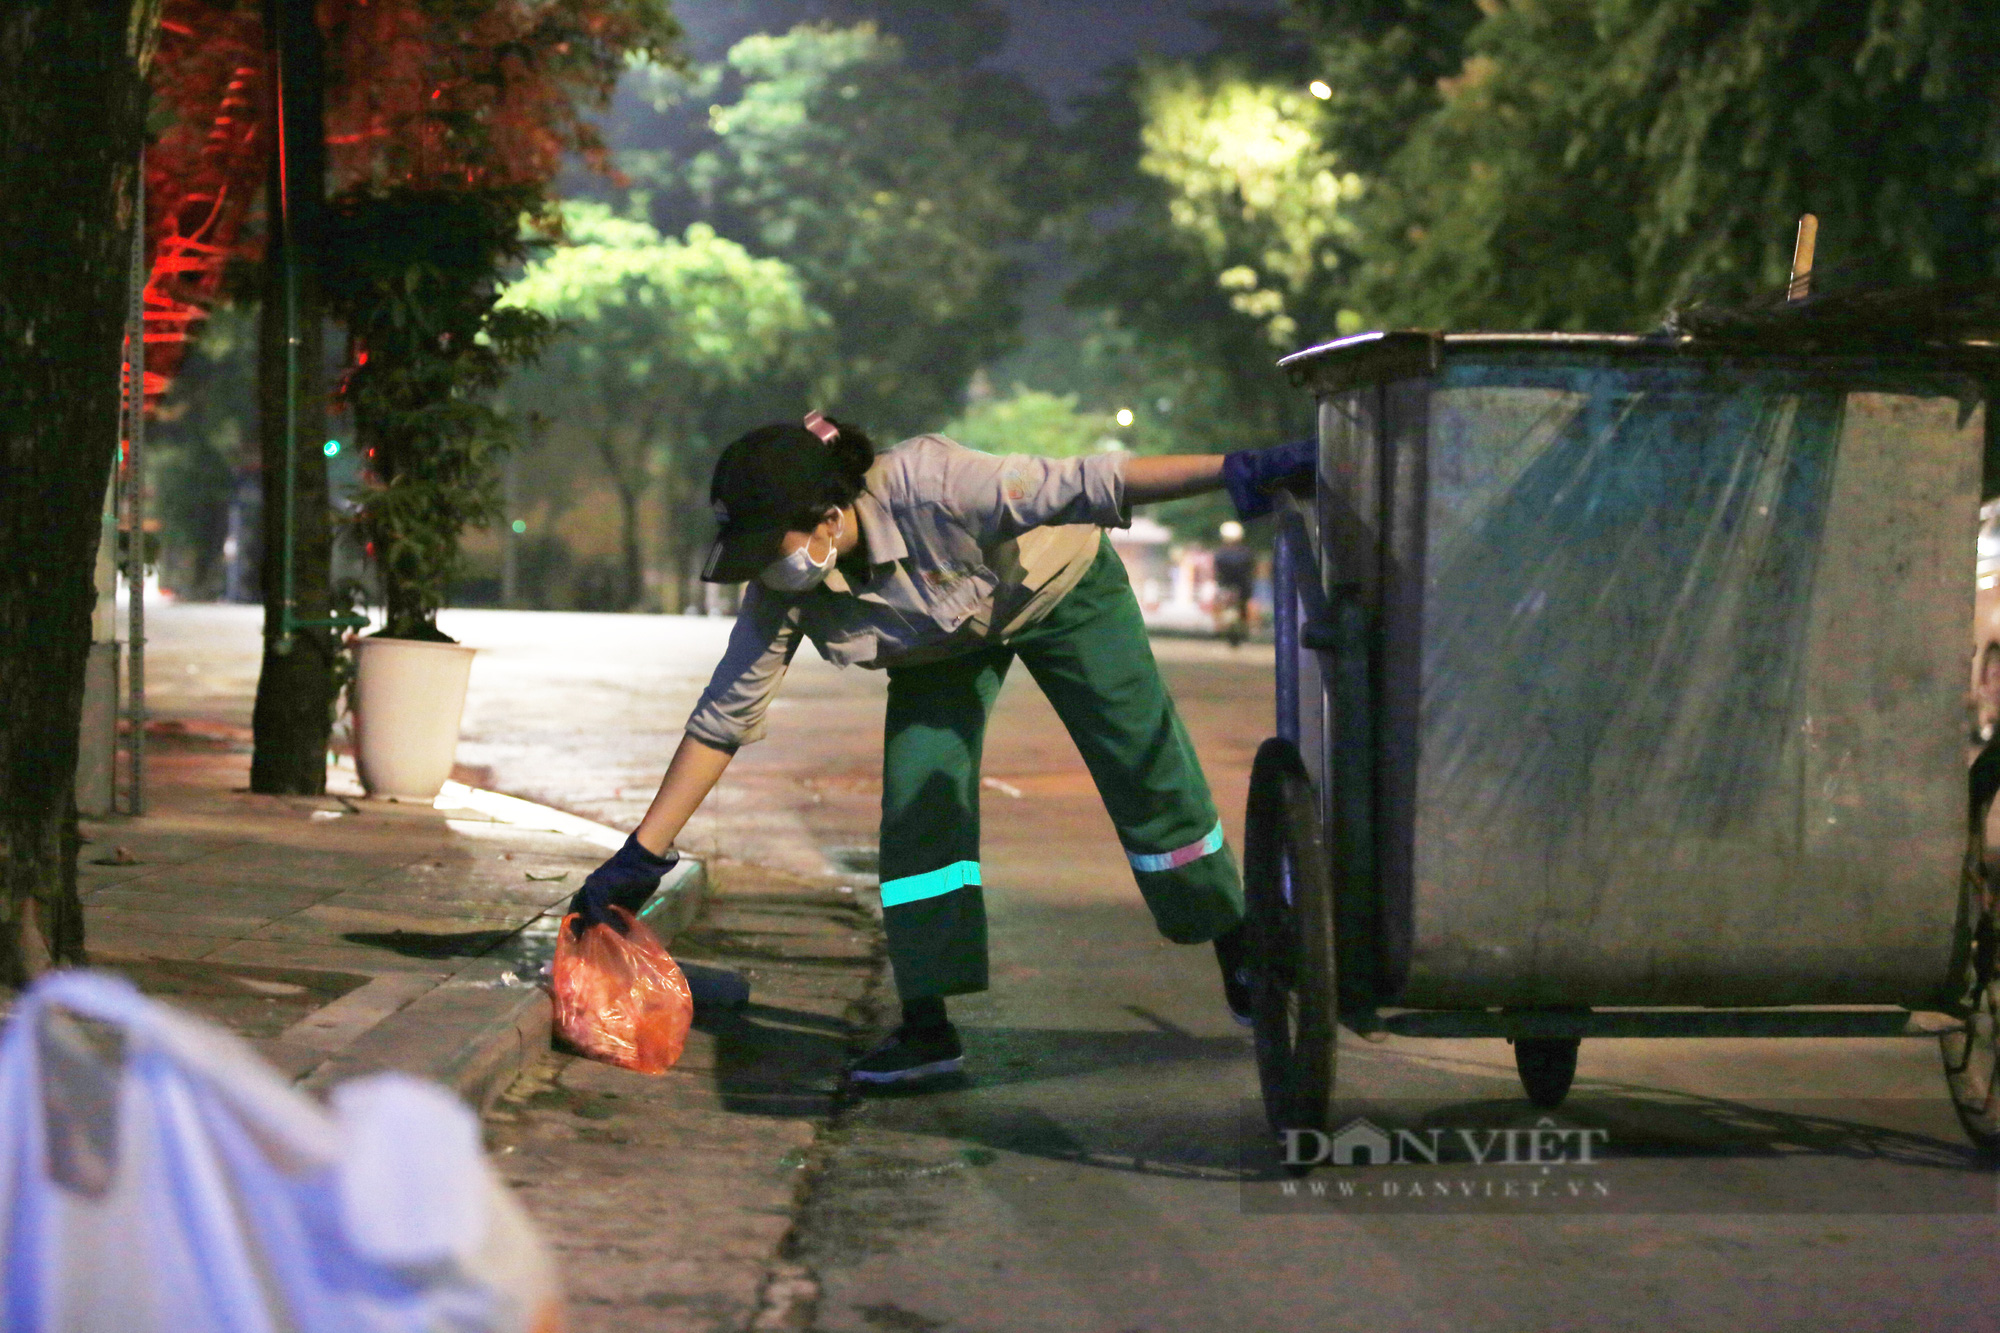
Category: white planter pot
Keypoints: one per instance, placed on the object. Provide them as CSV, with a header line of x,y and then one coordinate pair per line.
x,y
408,698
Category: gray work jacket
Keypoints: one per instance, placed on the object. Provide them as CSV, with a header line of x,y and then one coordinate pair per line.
x,y
941,525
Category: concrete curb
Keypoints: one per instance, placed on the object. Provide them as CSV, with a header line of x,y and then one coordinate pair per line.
x,y
682,893
477,1029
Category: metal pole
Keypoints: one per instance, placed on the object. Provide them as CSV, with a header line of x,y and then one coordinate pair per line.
x,y
1285,630
135,496
289,258
288,617
510,542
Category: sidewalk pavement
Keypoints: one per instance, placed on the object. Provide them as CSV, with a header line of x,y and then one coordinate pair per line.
x,y
670,1201
341,935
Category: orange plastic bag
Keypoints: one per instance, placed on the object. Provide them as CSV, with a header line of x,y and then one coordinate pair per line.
x,y
621,998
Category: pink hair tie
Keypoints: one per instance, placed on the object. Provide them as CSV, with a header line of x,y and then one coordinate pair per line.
x,y
820,426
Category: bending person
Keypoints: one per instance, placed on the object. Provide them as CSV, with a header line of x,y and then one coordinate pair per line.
x,y
943,565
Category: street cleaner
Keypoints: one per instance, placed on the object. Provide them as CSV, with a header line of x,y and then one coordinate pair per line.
x,y
942,565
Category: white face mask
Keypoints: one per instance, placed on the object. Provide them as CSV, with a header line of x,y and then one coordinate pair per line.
x,y
799,572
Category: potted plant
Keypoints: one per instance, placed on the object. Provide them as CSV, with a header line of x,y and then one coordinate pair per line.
x,y
414,275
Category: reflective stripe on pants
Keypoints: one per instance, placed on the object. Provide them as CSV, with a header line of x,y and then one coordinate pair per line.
x,y
1091,657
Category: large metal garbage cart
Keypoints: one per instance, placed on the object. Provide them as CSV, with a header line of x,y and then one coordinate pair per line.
x,y
1621,691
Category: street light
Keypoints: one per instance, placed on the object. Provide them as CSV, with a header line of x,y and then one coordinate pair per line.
x,y
1319,89
1124,416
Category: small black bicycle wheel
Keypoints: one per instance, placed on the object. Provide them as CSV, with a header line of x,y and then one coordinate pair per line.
x,y
1547,1066
1288,884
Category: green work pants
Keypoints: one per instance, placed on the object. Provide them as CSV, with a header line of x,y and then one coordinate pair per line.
x,y
1091,657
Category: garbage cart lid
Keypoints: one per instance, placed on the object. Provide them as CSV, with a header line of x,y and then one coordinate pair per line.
x,y
1372,358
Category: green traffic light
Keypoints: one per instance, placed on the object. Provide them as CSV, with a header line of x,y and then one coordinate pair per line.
x,y
332,448
520,525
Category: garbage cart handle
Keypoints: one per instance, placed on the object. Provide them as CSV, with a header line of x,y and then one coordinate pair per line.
x,y
1295,547
1329,621
1335,624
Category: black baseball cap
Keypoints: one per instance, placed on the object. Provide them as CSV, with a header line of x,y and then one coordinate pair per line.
x,y
765,483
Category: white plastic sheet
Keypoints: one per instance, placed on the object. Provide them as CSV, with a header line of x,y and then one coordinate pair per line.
x,y
156,1175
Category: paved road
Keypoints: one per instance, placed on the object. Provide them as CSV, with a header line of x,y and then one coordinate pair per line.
x,y
1089,1177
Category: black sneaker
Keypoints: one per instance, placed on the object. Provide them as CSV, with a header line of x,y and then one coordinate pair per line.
x,y
1236,991
1231,948
910,1056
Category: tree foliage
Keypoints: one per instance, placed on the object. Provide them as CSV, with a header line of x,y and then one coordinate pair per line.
x,y
1500,210
450,121
1383,62
1210,214
204,167
1593,162
1031,421
1533,164
1260,198
414,277
658,331
478,93
899,194
438,114
419,94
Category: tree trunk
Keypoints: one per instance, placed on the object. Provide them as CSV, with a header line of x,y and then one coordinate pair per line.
x,y
633,564
628,486
686,551
294,711
70,134
686,537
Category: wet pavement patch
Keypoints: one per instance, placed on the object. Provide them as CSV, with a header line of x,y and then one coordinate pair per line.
x,y
423,944
249,1000
894,1318
861,863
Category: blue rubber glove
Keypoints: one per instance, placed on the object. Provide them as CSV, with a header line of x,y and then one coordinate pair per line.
x,y
626,880
1251,473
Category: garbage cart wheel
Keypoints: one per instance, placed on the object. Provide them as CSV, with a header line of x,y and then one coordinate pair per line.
x,y
1972,1056
1288,886
1547,1066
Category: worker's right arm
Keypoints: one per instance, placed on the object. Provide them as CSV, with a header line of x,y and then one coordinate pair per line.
x,y
697,766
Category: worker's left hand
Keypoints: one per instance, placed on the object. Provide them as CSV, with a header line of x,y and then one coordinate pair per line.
x,y
1250,474
626,880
